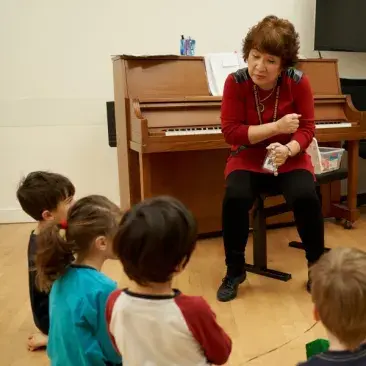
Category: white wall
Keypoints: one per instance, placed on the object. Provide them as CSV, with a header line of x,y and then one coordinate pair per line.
x,y
56,74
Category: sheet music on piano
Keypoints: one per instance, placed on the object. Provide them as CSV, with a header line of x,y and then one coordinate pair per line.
x,y
219,66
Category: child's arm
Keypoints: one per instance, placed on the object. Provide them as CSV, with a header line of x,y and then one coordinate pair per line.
x,y
89,318
85,332
39,300
109,313
39,304
201,321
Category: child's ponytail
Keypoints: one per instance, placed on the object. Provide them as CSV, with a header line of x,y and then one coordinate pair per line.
x,y
54,254
88,218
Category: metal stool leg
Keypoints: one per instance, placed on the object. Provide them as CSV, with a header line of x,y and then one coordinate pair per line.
x,y
260,247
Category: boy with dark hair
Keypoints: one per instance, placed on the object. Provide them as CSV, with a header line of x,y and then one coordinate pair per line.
x,y
339,296
151,322
44,196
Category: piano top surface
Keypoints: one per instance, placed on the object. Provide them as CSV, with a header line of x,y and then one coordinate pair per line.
x,y
167,77
172,76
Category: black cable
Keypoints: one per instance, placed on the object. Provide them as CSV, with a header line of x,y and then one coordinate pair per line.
x,y
282,345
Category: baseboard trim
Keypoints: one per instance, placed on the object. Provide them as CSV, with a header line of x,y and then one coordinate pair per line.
x,y
13,216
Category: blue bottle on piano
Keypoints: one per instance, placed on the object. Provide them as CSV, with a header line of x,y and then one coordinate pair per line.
x,y
192,47
182,45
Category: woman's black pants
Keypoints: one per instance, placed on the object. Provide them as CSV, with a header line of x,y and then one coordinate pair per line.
x,y
242,188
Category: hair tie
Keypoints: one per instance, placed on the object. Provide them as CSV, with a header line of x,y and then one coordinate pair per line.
x,y
63,224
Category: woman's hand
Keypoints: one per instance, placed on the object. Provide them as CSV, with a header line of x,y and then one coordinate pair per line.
x,y
280,153
288,123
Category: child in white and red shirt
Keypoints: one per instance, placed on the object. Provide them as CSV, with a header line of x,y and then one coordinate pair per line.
x,y
150,322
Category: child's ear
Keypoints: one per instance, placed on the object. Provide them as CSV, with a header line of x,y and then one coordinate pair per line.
x,y
47,215
316,314
101,243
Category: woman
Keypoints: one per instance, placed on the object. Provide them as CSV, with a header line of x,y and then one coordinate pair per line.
x,y
268,107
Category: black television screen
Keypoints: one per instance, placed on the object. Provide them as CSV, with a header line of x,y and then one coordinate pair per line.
x,y
340,25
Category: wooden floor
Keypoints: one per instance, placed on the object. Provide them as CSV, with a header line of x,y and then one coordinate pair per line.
x,y
269,322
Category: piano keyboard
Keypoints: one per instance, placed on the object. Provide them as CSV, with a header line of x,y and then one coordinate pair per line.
x,y
192,131
217,129
335,124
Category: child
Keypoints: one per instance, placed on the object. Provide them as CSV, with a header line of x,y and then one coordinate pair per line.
x,y
339,296
150,322
45,197
78,333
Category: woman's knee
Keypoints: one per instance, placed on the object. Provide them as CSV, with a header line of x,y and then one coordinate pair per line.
x,y
239,189
300,188
305,194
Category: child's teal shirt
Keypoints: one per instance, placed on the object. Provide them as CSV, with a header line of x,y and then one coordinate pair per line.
x,y
78,333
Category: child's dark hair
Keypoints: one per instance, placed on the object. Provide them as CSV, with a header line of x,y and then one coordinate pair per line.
x,y
155,237
88,218
40,191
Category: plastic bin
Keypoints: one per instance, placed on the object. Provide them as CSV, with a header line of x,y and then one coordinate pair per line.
x,y
330,158
324,159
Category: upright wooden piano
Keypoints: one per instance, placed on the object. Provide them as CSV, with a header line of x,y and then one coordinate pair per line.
x,y
169,139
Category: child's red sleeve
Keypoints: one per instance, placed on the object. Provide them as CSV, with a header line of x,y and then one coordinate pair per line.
x,y
108,314
202,323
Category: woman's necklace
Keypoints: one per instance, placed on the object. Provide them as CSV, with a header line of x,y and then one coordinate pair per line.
x,y
259,111
260,106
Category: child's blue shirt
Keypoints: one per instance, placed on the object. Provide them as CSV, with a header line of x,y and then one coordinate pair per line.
x,y
78,330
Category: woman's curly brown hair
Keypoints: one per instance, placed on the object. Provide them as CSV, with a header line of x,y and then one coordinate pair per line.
x,y
276,37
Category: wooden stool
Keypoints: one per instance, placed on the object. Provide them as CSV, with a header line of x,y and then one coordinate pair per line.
x,y
260,213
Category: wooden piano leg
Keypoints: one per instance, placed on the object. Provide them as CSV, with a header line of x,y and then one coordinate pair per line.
x,y
145,175
351,213
352,185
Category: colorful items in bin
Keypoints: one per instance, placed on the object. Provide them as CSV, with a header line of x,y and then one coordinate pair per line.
x,y
187,46
325,164
315,347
